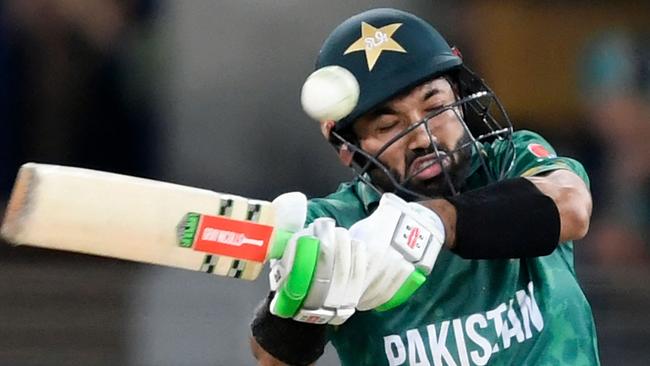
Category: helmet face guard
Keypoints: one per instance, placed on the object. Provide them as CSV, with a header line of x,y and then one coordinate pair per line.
x,y
482,118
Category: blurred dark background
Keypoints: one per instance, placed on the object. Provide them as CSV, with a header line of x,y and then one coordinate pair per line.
x,y
206,93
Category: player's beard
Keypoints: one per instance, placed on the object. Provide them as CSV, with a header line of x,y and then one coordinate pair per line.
x,y
456,167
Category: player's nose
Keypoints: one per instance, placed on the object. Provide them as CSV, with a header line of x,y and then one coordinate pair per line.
x,y
421,137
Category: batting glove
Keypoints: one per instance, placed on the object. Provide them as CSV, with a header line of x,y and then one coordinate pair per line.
x,y
403,242
326,273
319,275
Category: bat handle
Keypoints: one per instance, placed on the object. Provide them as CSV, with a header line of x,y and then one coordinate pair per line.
x,y
280,240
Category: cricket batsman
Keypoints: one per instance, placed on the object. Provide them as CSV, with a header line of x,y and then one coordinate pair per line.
x,y
453,244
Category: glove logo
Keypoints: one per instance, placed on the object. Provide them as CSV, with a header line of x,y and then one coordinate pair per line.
x,y
410,239
413,238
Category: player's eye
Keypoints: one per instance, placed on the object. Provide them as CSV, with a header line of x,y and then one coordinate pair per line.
x,y
435,110
383,127
437,113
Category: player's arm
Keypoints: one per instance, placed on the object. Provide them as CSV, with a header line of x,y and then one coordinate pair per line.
x,y
572,199
264,358
377,264
521,217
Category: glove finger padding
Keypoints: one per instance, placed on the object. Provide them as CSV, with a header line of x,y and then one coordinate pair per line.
x,y
333,275
349,274
323,229
291,276
341,271
337,281
358,272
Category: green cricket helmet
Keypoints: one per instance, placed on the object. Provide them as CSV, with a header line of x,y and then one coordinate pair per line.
x,y
390,52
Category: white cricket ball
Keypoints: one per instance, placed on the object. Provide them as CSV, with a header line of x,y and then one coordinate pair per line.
x,y
329,93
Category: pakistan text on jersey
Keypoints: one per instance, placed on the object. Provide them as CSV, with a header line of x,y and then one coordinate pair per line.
x,y
476,337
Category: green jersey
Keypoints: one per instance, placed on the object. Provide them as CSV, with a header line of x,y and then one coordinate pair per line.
x,y
528,311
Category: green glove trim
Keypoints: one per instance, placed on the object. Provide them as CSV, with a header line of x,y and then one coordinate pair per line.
x,y
280,241
291,295
412,283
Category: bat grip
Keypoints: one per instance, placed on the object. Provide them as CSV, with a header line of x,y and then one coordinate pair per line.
x,y
280,240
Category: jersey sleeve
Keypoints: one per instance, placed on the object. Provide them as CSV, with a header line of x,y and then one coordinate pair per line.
x,y
534,156
345,213
344,206
316,209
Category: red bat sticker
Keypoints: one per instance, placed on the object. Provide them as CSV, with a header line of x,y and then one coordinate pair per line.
x,y
234,238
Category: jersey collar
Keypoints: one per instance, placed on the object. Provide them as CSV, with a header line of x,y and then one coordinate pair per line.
x,y
367,195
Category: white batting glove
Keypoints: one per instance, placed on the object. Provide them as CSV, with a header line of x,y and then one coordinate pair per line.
x,y
337,281
325,272
321,274
403,242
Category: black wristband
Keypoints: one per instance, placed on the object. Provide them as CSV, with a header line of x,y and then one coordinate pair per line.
x,y
508,219
288,340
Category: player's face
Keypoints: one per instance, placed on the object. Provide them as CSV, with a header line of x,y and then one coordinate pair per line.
x,y
412,158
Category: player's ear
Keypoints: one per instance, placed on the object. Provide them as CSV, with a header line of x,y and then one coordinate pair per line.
x,y
326,127
345,155
344,152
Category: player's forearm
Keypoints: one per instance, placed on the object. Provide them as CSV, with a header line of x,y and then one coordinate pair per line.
x,y
264,358
277,340
447,213
508,219
566,189
572,199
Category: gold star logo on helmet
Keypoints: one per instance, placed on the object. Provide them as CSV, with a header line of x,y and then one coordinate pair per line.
x,y
374,41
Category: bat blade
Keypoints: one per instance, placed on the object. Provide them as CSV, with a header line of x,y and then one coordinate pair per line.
x,y
136,219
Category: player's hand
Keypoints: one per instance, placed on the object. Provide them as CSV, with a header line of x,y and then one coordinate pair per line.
x,y
403,242
324,288
325,272
318,276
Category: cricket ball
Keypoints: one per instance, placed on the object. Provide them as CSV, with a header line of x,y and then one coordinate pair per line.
x,y
329,93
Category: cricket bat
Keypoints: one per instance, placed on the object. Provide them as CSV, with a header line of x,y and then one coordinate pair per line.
x,y
142,220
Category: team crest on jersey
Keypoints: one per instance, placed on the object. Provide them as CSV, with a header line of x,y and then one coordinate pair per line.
x,y
540,151
374,41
